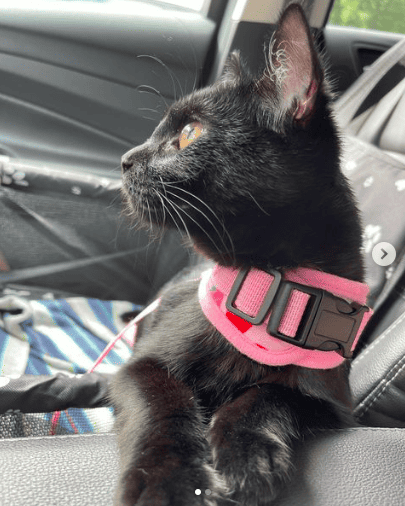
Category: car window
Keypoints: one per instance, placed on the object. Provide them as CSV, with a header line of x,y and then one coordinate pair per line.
x,y
196,5
385,15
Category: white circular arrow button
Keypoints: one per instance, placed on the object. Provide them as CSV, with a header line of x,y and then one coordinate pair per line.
x,y
383,254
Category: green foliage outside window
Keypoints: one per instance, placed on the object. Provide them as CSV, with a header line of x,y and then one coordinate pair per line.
x,y
386,15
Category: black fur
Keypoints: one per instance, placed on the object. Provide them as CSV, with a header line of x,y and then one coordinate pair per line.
x,y
260,187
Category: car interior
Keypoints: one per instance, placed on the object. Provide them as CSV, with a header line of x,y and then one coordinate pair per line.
x,y
81,82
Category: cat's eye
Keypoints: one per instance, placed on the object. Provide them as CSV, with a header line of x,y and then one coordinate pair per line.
x,y
190,133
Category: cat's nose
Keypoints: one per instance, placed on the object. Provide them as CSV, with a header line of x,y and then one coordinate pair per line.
x,y
126,162
136,157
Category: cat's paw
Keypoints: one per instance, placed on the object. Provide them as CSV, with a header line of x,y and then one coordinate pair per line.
x,y
171,485
255,466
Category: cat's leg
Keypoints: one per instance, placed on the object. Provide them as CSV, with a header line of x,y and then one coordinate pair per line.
x,y
252,439
164,455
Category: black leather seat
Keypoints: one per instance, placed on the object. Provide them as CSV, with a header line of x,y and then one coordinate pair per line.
x,y
356,467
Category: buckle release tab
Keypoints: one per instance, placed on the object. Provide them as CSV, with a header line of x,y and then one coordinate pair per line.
x,y
329,323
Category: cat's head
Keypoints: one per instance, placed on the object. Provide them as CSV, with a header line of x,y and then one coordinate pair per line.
x,y
249,166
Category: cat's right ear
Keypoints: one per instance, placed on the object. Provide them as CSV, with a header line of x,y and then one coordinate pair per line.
x,y
293,75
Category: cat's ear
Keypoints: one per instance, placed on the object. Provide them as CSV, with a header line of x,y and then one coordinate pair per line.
x,y
234,67
294,65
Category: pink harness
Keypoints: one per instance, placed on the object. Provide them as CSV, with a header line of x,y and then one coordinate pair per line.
x,y
286,320
299,309
303,312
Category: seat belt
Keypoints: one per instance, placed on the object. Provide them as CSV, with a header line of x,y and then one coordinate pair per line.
x,y
19,275
377,120
349,103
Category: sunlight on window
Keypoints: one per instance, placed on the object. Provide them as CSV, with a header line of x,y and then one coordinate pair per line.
x,y
94,5
190,4
385,15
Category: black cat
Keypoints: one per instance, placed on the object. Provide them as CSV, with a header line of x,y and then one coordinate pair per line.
x,y
249,169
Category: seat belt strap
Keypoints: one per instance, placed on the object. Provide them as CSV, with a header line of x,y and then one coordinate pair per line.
x,y
349,103
19,275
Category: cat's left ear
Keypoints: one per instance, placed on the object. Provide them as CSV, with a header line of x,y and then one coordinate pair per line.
x,y
234,68
294,65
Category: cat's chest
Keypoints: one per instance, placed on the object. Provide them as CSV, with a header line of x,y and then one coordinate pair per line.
x,y
191,349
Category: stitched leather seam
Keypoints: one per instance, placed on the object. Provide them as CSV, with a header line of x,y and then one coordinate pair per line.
x,y
323,431
378,340
53,438
362,429
366,404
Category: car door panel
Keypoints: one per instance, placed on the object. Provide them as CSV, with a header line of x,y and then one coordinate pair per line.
x,y
351,50
72,93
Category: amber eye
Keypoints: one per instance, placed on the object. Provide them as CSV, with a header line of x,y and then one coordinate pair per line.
x,y
190,133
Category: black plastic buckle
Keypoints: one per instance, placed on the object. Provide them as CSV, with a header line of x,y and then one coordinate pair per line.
x,y
329,322
264,308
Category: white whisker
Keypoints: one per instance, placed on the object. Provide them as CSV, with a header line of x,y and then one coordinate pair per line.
x,y
258,205
231,245
174,207
148,109
150,216
203,214
154,90
171,74
163,207
198,224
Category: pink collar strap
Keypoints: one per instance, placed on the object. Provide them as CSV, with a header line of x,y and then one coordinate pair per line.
x,y
298,318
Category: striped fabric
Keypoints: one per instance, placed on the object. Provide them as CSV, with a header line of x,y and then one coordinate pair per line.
x,y
64,335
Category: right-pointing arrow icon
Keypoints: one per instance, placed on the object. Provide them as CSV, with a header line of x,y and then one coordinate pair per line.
x,y
383,254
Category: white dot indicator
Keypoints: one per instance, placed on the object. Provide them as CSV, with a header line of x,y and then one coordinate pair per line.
x,y
197,491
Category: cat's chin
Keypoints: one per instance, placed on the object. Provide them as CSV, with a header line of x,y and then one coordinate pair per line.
x,y
142,211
